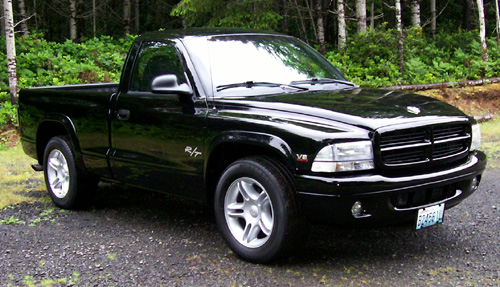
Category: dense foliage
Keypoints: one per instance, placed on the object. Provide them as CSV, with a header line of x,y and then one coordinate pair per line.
x,y
371,59
8,112
43,63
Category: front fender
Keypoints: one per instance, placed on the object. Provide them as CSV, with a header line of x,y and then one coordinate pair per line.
x,y
262,140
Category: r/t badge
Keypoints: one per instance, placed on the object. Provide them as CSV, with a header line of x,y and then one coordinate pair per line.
x,y
192,152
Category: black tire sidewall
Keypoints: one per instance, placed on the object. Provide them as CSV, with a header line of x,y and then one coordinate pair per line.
x,y
270,178
61,144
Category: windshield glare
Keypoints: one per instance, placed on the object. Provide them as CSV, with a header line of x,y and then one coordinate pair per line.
x,y
265,58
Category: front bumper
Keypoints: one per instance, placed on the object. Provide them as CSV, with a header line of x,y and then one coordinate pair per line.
x,y
386,199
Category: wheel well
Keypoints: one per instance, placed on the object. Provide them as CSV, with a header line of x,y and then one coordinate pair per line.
x,y
225,154
45,132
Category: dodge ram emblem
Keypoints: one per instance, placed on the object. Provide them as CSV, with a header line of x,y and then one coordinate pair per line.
x,y
413,110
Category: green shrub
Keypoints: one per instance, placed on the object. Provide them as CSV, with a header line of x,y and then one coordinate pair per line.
x,y
42,63
371,59
8,111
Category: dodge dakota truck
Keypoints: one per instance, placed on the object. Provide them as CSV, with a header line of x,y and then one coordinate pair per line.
x,y
260,127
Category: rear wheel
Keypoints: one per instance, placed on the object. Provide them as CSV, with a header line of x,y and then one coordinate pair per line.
x,y
68,187
256,211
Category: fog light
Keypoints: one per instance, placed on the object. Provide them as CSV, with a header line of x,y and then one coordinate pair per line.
x,y
357,209
474,184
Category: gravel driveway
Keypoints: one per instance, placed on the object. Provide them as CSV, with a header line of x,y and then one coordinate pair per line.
x,y
134,237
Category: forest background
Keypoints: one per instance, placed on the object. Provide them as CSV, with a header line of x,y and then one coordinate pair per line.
x,y
375,42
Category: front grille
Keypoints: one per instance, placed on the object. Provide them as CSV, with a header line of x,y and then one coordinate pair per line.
x,y
424,144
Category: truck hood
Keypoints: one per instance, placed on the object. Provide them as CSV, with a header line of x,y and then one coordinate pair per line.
x,y
367,108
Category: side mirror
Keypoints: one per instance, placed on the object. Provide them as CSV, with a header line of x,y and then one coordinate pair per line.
x,y
167,84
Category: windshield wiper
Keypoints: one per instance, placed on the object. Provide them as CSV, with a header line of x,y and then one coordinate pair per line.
x,y
251,84
321,81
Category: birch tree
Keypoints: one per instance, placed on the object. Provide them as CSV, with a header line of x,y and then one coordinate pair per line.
x,y
415,13
482,30
126,17
399,28
72,20
433,18
2,27
497,14
320,26
24,17
361,16
10,44
341,24
137,14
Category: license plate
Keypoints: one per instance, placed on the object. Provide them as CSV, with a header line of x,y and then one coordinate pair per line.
x,y
430,216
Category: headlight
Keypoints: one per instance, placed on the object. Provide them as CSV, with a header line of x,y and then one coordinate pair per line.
x,y
350,156
476,137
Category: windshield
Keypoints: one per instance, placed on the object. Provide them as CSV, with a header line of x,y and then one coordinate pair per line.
x,y
241,63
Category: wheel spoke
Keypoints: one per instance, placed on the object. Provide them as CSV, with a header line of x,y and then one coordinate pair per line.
x,y
235,210
248,188
54,163
263,199
243,191
251,232
264,228
56,183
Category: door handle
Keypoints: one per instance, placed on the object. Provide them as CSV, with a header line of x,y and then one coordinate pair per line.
x,y
122,114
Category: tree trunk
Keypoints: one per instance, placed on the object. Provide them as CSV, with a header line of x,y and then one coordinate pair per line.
x,y
311,16
302,24
321,27
2,27
399,27
126,17
415,13
372,16
137,14
72,20
421,87
361,16
94,16
498,22
482,30
342,38
36,15
10,43
24,18
433,18
467,11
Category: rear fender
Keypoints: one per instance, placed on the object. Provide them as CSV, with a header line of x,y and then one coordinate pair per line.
x,y
57,125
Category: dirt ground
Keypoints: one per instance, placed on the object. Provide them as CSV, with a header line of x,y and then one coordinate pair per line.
x,y
9,136
475,101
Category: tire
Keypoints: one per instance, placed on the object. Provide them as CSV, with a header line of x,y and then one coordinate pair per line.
x,y
68,187
256,212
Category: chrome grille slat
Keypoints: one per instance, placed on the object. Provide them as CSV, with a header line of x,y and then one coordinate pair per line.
x,y
424,144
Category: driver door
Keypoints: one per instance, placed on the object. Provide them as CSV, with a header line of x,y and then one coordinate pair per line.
x,y
158,138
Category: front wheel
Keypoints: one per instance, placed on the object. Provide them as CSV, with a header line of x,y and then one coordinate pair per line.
x,y
68,187
256,211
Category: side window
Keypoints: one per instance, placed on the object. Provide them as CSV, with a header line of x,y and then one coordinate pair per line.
x,y
155,59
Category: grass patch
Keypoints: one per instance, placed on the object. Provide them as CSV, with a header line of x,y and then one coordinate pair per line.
x,y
18,182
490,132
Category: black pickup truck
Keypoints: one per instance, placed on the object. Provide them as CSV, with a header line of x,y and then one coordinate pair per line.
x,y
260,127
